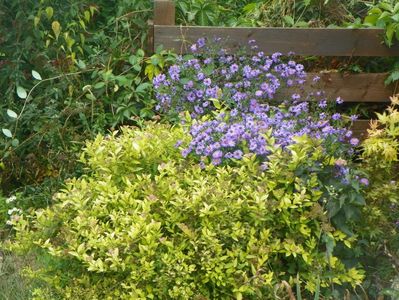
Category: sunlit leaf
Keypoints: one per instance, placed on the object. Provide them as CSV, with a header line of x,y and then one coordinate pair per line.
x,y
7,132
49,12
56,28
12,114
21,92
36,75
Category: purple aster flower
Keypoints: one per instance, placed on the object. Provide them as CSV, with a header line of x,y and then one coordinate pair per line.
x,y
201,42
207,82
339,100
216,161
364,181
217,154
191,97
194,48
354,117
258,93
199,93
237,154
336,116
354,141
323,104
316,78
178,143
295,97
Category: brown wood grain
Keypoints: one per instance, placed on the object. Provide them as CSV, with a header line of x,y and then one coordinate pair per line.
x,y
301,41
364,87
164,12
359,128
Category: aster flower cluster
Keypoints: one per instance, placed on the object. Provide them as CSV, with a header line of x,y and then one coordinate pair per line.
x,y
231,134
237,81
248,88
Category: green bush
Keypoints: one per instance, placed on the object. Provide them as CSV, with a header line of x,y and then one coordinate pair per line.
x,y
147,223
68,71
380,230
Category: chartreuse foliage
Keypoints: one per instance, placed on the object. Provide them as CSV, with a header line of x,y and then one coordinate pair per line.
x,y
380,232
146,223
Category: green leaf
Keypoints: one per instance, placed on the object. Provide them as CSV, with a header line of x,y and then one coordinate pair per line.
x,y
81,64
386,6
21,92
202,18
375,11
133,60
36,75
371,19
392,77
12,114
330,243
7,132
99,85
36,21
389,33
49,12
289,20
216,103
15,142
142,87
56,27
395,18
140,53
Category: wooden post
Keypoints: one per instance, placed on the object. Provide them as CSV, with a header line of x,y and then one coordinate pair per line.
x,y
164,12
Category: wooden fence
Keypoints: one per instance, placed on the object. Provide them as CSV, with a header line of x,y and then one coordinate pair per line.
x,y
358,88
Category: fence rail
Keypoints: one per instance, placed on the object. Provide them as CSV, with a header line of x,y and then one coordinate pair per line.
x,y
301,41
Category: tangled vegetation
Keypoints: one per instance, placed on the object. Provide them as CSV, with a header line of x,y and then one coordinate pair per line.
x,y
189,177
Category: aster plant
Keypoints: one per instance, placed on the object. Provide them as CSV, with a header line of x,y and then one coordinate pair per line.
x,y
234,100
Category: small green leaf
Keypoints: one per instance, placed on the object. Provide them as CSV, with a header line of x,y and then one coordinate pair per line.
x,y
386,6
49,12
81,64
12,114
289,20
99,85
36,75
216,103
36,21
15,142
142,87
21,92
56,28
7,132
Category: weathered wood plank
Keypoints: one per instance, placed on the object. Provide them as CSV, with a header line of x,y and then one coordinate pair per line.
x,y
359,128
164,12
365,87
302,41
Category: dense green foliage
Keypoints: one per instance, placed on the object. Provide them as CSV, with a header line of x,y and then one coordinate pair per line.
x,y
144,223
137,220
380,233
69,70
302,13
